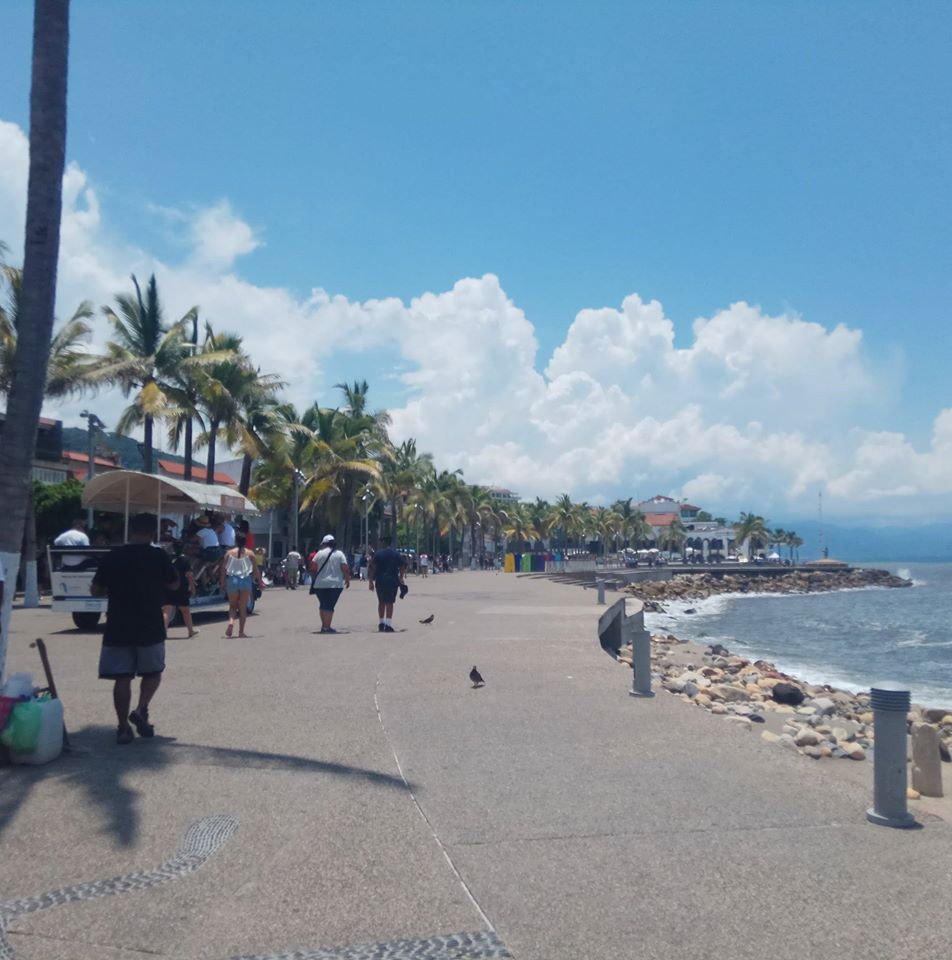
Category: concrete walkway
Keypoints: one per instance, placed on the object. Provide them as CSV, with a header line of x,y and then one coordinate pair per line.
x,y
364,793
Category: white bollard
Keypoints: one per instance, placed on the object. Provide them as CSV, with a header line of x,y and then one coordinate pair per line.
x,y
600,586
890,703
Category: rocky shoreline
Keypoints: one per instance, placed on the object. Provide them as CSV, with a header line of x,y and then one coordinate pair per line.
x,y
698,586
816,720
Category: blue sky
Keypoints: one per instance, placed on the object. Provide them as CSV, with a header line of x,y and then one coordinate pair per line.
x,y
790,155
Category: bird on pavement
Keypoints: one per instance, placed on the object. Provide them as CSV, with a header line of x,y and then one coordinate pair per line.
x,y
476,677
429,619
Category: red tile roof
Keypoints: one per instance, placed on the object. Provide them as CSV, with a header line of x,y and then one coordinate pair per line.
x,y
77,457
662,519
174,469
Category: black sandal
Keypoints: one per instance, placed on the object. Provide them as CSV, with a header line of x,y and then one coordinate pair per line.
x,y
141,722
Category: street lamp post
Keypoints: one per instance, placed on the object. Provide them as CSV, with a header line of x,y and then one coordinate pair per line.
x,y
93,423
366,502
296,478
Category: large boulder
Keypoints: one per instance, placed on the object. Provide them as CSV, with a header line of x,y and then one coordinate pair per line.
x,y
787,693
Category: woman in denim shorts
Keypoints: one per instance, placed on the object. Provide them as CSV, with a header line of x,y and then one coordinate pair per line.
x,y
239,570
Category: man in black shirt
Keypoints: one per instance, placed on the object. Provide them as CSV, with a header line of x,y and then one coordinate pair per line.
x,y
386,571
136,578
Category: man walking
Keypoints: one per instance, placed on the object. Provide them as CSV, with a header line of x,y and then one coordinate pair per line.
x,y
386,575
292,564
135,578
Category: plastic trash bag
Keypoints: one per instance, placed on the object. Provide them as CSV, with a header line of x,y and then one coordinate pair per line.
x,y
22,731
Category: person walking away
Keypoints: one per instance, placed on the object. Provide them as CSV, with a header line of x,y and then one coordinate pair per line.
x,y
245,528
135,578
386,575
364,561
75,536
178,599
292,564
424,565
331,578
239,571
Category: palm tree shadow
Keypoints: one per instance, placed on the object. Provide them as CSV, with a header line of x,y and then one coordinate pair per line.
x,y
98,768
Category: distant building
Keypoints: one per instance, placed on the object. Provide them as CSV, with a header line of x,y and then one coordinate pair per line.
x,y
503,495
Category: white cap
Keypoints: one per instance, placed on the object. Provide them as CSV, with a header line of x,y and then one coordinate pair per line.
x,y
328,538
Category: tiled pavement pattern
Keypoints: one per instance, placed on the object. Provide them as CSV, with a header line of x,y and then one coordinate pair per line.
x,y
459,946
201,840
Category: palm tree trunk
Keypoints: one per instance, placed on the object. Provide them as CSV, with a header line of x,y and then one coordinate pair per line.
x,y
245,483
213,426
147,445
41,251
31,590
188,448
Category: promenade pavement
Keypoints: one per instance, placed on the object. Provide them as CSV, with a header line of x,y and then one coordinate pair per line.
x,y
371,796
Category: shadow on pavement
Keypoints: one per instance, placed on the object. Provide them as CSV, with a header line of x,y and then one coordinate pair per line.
x,y
99,767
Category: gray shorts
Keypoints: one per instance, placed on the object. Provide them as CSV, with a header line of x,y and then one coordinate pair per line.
x,y
117,662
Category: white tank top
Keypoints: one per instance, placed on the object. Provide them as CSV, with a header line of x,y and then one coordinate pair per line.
x,y
239,566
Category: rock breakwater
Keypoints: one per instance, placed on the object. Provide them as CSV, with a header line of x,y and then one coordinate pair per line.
x,y
697,586
816,720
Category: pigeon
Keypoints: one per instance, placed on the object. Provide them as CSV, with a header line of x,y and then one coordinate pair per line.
x,y
429,619
476,677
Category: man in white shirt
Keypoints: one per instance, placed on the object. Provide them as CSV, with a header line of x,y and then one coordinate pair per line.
x,y
74,537
292,566
226,533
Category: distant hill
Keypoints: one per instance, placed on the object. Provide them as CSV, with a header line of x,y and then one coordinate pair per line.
x,y
867,543
127,449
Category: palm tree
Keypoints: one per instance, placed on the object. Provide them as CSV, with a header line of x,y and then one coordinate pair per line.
x,y
403,468
563,519
41,245
516,525
144,357
338,459
69,370
261,426
672,536
752,529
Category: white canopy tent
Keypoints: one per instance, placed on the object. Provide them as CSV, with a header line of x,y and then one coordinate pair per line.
x,y
128,491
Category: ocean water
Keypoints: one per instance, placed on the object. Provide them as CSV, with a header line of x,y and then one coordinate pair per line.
x,y
850,639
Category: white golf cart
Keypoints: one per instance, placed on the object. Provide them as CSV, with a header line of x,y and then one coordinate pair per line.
x,y
128,492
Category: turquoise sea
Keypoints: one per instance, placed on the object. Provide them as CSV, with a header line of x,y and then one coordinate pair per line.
x,y
850,639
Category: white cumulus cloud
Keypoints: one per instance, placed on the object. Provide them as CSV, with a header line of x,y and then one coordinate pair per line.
x,y
754,411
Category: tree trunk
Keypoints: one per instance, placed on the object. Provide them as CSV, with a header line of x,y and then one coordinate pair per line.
x,y
40,253
147,445
188,448
244,485
31,590
212,435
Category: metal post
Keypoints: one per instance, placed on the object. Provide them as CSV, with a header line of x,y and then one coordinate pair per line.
x,y
296,479
600,587
890,703
633,630
92,424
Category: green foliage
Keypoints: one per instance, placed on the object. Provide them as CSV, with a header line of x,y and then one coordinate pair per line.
x,y
703,516
57,505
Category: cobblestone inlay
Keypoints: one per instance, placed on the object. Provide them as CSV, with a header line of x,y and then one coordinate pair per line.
x,y
458,946
201,840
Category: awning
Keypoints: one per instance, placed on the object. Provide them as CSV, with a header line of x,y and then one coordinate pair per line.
x,y
148,492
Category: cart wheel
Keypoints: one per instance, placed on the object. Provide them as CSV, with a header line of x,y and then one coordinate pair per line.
x,y
86,620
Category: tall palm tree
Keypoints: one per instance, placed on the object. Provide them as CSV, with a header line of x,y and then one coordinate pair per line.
x,y
69,370
41,251
753,529
143,357
261,426
403,469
